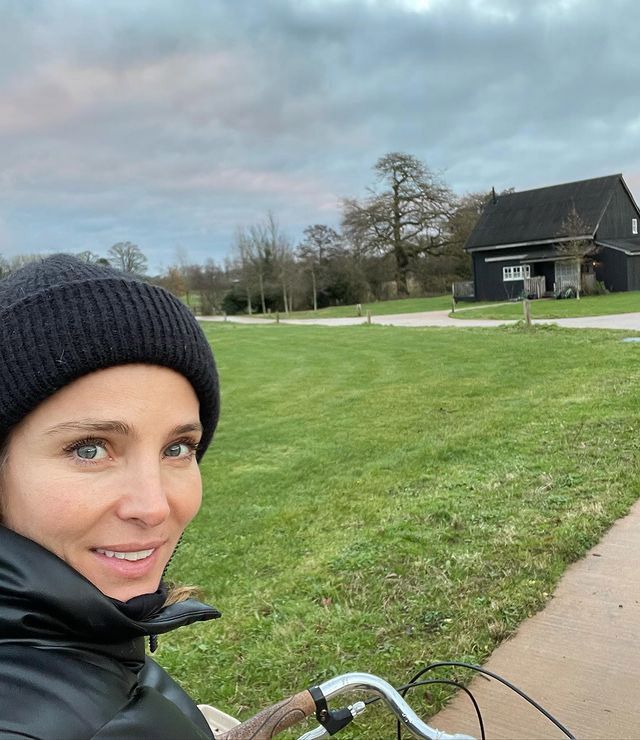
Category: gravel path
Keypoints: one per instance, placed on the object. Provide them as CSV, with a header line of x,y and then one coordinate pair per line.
x,y
625,321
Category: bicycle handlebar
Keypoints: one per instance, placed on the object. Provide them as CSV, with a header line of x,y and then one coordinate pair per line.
x,y
395,702
269,722
272,720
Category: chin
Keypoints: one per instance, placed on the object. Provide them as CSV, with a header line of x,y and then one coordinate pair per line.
x,y
126,591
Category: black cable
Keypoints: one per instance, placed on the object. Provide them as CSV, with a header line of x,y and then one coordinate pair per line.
x,y
508,684
404,689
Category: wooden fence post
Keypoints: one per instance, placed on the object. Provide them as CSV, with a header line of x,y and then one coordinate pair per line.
x,y
526,305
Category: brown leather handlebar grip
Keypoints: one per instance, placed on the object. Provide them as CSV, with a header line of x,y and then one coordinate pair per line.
x,y
272,720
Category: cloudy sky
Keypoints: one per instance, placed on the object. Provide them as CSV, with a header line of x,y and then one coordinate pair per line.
x,y
169,123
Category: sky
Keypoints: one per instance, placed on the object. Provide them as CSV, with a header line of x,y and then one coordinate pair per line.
x,y
172,123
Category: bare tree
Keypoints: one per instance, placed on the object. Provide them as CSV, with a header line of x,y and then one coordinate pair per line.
x,y
202,287
319,244
464,216
212,283
242,264
455,263
128,257
280,248
88,256
20,260
407,217
581,243
272,257
256,239
181,274
579,247
173,281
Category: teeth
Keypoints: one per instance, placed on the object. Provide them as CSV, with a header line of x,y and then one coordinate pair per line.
x,y
139,555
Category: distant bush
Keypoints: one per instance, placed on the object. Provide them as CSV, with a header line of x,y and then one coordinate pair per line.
x,y
234,303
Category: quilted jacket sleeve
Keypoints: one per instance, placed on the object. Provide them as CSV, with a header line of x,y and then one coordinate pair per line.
x,y
51,694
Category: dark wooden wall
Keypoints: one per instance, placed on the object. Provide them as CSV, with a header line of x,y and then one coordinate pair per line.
x,y
487,276
612,269
633,272
616,222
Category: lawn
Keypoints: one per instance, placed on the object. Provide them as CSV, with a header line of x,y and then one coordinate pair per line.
x,y
380,308
551,308
377,498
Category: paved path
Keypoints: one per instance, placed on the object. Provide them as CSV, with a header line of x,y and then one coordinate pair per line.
x,y
628,321
579,657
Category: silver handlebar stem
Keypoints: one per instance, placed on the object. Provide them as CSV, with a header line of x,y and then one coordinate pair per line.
x,y
315,734
378,686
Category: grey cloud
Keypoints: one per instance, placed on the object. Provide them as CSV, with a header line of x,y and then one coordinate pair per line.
x,y
173,121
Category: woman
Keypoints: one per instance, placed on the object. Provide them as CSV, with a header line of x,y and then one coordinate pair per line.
x,y
108,401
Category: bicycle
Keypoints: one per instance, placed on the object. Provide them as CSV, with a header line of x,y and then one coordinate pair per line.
x,y
289,712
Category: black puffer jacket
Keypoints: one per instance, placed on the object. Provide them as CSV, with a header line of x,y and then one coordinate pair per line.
x,y
72,665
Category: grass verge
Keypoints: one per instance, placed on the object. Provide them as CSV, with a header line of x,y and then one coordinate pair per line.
x,y
380,308
378,498
551,308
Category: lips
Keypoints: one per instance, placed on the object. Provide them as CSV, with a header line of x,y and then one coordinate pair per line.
x,y
110,567
131,555
131,559
115,571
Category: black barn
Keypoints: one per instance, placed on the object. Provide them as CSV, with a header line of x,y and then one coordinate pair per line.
x,y
541,241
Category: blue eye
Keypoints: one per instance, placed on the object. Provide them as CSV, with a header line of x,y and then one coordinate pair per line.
x,y
88,450
181,449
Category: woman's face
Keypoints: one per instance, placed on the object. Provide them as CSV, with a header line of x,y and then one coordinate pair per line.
x,y
104,474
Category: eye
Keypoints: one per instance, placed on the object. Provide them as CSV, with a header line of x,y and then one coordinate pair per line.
x,y
181,449
88,450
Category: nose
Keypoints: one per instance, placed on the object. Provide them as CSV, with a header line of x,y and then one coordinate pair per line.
x,y
144,499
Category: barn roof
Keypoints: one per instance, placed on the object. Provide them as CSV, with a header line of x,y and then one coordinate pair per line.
x,y
628,245
538,215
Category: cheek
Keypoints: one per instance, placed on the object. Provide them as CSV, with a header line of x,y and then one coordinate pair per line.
x,y
42,513
23,501
187,498
41,501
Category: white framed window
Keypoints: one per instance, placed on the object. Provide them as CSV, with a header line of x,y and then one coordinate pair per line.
x,y
516,272
634,225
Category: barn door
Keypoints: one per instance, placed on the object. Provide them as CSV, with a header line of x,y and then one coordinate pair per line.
x,y
567,275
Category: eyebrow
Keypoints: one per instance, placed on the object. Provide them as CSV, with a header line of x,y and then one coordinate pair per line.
x,y
94,426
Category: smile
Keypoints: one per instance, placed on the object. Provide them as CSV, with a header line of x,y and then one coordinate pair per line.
x,y
137,555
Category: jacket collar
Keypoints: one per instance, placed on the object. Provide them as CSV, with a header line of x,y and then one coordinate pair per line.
x,y
42,596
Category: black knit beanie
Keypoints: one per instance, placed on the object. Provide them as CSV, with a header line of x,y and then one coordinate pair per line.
x,y
61,318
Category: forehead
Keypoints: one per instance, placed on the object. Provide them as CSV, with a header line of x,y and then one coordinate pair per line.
x,y
133,394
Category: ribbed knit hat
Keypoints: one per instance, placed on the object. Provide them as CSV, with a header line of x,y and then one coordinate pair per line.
x,y
61,318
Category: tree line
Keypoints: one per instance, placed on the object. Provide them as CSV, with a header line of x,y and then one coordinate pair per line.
x,y
124,256
405,237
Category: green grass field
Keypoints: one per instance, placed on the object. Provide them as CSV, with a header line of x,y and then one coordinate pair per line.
x,y
550,308
378,498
